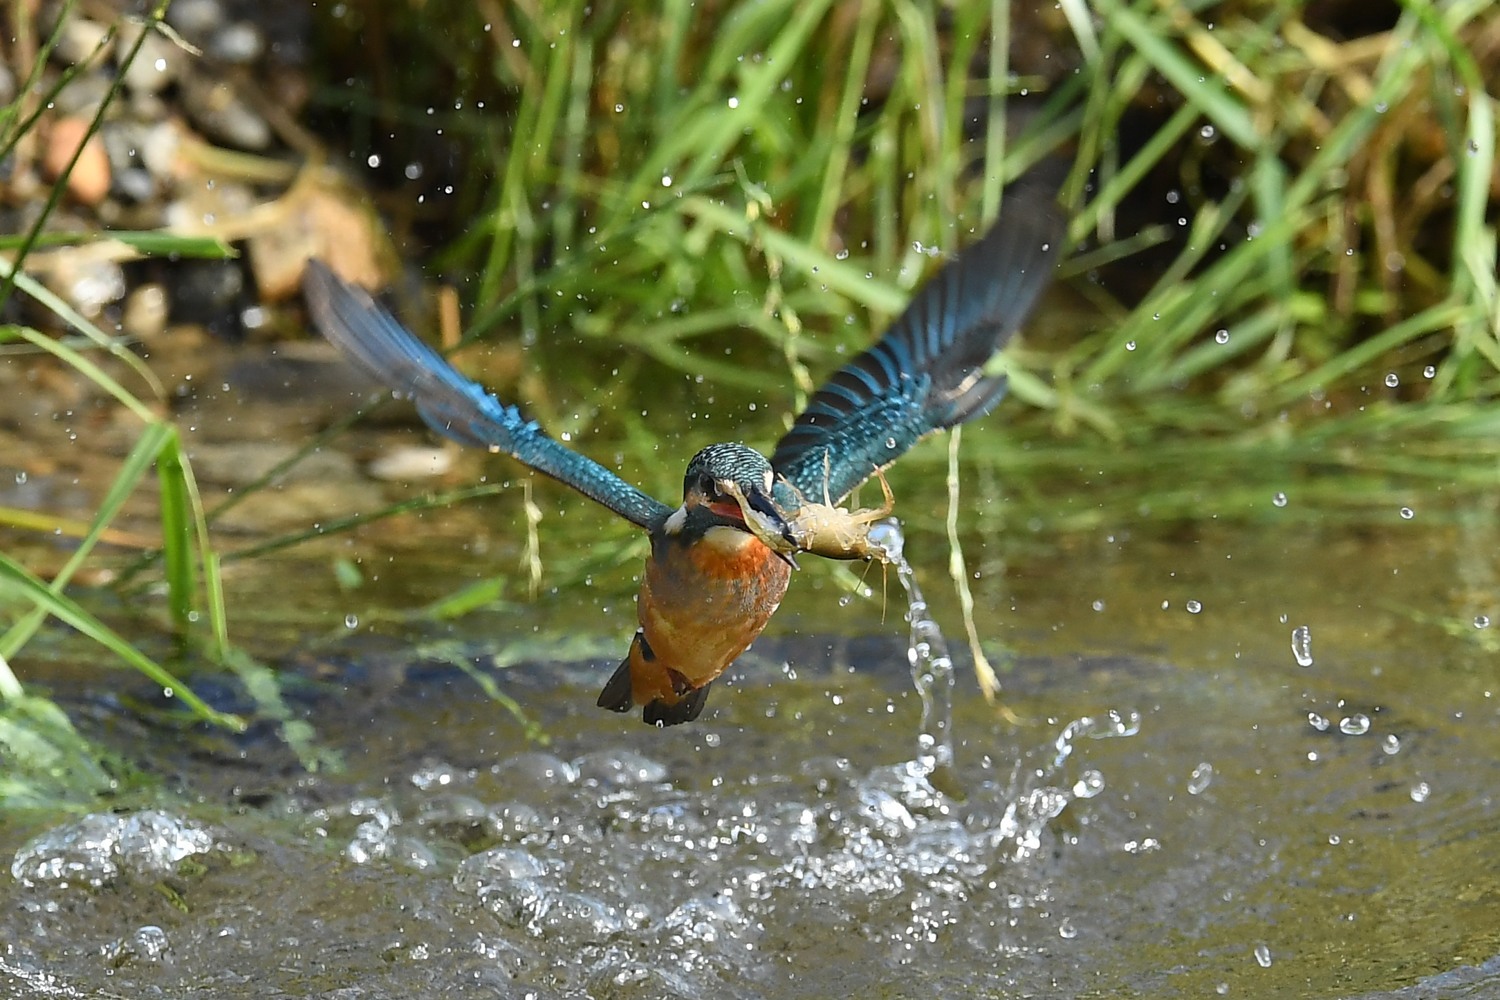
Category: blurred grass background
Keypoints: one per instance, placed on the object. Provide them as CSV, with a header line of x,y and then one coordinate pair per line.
x,y
1283,213
1283,265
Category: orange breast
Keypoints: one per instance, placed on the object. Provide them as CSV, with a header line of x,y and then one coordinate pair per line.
x,y
703,603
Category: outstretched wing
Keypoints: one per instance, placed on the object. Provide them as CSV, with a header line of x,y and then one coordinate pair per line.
x,y
926,373
453,405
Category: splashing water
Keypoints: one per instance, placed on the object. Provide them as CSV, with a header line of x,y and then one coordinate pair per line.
x,y
931,664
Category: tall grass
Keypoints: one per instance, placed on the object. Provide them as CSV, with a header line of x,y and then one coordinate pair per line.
x,y
1273,224
1288,242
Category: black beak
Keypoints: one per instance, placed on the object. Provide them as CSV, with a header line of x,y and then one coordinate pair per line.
x,y
760,501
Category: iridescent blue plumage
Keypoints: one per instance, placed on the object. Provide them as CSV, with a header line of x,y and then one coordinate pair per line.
x,y
926,373
455,406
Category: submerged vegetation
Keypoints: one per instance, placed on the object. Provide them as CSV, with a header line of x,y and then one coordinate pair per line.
x,y
1284,247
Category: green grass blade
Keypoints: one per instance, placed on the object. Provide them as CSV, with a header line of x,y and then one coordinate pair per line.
x,y
21,583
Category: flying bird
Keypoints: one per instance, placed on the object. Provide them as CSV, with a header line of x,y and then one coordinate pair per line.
x,y
721,560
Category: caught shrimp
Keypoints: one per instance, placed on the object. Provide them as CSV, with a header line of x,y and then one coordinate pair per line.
x,y
823,528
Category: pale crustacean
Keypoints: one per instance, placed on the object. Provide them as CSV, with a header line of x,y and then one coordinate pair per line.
x,y
822,529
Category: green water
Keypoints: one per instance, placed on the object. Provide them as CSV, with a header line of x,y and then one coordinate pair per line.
x,y
1226,821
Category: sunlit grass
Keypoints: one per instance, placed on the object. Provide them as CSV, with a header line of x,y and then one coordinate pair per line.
x,y
1283,254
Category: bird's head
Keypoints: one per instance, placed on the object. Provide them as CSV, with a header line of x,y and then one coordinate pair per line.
x,y
730,485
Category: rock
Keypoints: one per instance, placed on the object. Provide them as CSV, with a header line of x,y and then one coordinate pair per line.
x,y
320,220
409,463
239,43
146,311
86,279
218,110
158,63
89,180
79,39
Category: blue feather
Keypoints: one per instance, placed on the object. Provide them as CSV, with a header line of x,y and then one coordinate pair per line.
x,y
926,373
453,405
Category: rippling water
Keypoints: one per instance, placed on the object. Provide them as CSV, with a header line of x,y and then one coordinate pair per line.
x,y
1203,816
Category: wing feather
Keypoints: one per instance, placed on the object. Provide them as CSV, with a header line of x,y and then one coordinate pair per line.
x,y
926,373
453,405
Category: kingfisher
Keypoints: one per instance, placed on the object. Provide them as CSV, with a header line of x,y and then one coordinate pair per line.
x,y
720,561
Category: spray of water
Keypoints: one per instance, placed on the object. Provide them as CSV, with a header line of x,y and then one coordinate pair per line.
x,y
927,653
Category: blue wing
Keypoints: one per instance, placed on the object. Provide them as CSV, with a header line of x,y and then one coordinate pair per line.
x,y
454,406
926,373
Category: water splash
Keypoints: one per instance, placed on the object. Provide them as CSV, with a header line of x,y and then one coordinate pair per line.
x,y
927,653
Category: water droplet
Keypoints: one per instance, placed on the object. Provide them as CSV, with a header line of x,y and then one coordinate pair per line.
x,y
1222,337
1200,779
666,180
1317,721
1302,645
1263,956
1129,345
1066,930
1407,513
1279,499
1430,371
351,621
1194,607
1097,605
1392,380
1355,725
1391,744
1207,133
1420,791
21,478
1481,621
734,102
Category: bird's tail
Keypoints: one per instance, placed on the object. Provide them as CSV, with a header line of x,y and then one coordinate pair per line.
x,y
669,699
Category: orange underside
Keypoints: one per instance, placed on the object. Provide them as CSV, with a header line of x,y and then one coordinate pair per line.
x,y
700,606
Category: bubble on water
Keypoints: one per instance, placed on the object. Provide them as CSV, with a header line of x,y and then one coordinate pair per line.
x,y
21,477
1391,744
1302,645
1279,500
145,944
1407,513
1193,607
1263,956
1481,621
1066,930
1355,725
351,621
1318,722
96,849
1420,791
1200,779
1097,605
1089,784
